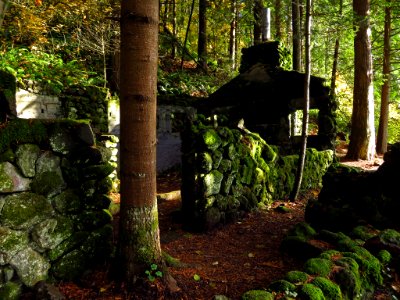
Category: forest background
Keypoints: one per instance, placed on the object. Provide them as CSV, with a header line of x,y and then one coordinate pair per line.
x,y
61,44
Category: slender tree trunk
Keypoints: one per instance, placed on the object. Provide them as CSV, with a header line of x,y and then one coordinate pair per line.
x,y
4,4
174,31
362,138
232,35
202,41
296,53
187,33
278,20
257,11
382,138
336,56
139,243
266,24
296,35
306,108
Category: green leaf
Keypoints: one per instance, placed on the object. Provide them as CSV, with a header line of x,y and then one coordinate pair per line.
x,y
196,277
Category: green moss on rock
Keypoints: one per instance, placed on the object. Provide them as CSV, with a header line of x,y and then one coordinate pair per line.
x,y
23,210
257,295
211,139
330,289
10,291
296,277
311,292
283,286
318,266
212,183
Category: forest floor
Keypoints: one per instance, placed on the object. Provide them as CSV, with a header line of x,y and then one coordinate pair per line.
x,y
228,260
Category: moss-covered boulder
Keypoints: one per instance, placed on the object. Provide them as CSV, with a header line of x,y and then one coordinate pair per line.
x,y
310,291
11,180
30,266
23,210
51,232
257,295
330,289
297,277
318,266
11,242
212,183
26,155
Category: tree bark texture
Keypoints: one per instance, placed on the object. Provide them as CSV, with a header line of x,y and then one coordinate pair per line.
x,y
296,35
232,35
257,11
306,107
278,20
382,137
362,138
202,41
139,243
336,56
4,4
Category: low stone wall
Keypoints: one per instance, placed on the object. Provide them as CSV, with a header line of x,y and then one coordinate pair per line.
x,y
227,171
54,218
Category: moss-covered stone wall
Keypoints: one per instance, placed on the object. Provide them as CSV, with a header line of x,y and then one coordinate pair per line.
x,y
54,217
90,103
228,171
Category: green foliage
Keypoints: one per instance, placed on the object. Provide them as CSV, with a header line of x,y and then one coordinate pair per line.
x,y
153,273
195,84
48,70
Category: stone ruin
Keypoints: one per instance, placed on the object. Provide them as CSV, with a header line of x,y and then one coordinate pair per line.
x,y
264,95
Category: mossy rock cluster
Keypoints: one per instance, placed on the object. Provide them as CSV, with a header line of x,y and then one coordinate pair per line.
x,y
348,266
54,217
350,196
89,103
229,171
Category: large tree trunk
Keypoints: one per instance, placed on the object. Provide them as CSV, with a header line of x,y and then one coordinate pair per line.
x,y
139,242
306,107
362,138
382,138
202,41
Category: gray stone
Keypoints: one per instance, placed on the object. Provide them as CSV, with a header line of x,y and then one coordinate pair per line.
x,y
7,274
51,232
30,266
85,134
212,183
23,210
10,179
49,180
11,242
67,201
48,162
27,154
